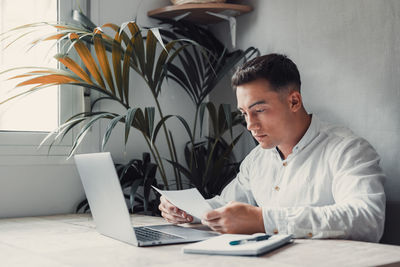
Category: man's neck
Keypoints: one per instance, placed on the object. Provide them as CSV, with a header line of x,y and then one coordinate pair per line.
x,y
299,130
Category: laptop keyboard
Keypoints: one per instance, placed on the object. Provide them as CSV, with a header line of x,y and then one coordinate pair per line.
x,y
148,234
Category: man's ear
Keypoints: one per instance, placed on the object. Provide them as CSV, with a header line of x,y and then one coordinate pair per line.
x,y
294,100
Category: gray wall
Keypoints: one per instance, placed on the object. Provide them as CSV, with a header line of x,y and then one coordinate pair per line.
x,y
348,54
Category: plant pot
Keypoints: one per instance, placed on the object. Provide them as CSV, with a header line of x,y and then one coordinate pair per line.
x,y
181,2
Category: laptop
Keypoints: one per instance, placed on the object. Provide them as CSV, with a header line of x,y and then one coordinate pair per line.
x,y
110,212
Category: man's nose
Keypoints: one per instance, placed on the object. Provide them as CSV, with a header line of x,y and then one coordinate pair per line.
x,y
252,123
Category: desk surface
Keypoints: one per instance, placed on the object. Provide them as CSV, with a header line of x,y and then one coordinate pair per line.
x,y
71,240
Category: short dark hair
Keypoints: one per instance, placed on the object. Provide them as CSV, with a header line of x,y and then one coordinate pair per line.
x,y
277,69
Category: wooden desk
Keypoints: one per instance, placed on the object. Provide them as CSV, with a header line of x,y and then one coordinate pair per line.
x,y
71,240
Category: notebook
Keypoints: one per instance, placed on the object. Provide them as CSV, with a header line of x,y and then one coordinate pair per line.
x,y
220,245
109,210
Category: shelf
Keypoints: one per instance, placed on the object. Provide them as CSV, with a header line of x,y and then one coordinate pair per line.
x,y
197,12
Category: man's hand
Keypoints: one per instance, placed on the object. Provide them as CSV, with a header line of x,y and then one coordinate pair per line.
x,y
235,218
172,214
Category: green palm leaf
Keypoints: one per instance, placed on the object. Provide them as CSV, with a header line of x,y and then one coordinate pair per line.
x,y
137,41
130,115
163,120
59,130
151,44
109,130
125,72
80,136
149,117
213,116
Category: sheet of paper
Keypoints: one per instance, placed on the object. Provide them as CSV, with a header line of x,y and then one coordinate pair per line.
x,y
189,200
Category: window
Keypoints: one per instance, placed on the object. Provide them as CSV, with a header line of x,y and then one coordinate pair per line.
x,y
24,122
38,111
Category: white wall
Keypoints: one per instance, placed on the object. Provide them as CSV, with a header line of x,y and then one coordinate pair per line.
x,y
348,54
38,189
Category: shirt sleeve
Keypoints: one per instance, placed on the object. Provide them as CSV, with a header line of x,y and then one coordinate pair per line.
x,y
238,189
359,209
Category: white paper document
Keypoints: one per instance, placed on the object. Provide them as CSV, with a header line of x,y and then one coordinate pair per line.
x,y
220,245
189,200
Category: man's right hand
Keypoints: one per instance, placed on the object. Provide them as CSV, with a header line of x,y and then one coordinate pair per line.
x,y
172,214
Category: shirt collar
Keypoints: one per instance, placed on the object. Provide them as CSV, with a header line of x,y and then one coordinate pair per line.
x,y
312,131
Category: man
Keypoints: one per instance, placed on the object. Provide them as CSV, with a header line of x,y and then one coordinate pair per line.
x,y
305,178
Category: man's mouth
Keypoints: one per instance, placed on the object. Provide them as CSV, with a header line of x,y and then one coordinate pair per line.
x,y
259,137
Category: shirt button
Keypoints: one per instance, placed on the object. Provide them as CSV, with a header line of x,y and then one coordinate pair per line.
x,y
284,164
275,231
309,235
276,188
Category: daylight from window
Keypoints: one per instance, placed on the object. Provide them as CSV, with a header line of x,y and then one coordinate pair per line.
x,y
37,111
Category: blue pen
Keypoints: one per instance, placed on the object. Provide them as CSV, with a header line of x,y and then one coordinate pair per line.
x,y
254,239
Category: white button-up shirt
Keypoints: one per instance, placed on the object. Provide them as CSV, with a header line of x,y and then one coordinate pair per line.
x,y
330,186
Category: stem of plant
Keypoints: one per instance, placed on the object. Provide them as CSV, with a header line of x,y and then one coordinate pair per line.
x,y
209,159
166,136
194,137
158,161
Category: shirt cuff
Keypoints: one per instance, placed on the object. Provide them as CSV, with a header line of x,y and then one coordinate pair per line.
x,y
275,220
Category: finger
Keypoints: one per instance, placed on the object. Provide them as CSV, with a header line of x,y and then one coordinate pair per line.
x,y
164,200
217,228
180,216
212,223
189,218
213,215
166,203
170,208
173,219
172,215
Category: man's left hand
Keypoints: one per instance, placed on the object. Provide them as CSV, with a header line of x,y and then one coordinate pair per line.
x,y
235,218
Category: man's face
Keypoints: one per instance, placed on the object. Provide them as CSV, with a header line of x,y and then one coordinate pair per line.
x,y
267,113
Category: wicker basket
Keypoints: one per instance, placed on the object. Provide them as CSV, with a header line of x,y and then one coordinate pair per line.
x,y
181,2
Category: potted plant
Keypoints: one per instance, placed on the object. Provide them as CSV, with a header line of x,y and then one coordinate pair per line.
x,y
135,49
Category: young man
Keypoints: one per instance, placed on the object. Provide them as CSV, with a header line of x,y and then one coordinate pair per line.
x,y
306,177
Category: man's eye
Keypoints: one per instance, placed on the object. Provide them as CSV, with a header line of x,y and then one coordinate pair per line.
x,y
260,110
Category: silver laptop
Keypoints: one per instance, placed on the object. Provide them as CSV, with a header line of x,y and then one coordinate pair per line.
x,y
110,212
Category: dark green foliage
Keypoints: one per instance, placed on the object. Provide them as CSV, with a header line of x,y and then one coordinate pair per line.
x,y
221,169
203,65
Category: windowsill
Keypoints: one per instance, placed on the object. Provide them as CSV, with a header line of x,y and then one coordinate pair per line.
x,y
26,160
31,155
